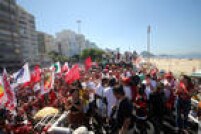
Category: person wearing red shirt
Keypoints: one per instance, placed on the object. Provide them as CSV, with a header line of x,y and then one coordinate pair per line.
x,y
52,97
141,108
184,91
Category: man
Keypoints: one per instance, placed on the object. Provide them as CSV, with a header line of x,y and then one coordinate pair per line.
x,y
184,92
100,97
111,100
150,85
134,82
127,88
157,103
124,117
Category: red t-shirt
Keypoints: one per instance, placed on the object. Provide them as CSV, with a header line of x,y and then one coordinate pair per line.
x,y
52,97
134,92
183,91
141,102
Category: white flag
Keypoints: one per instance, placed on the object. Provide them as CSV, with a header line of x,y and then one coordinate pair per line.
x,y
23,75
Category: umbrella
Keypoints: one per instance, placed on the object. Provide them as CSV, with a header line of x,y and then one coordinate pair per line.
x,y
45,112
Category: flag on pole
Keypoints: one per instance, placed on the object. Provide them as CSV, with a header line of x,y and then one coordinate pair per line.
x,y
23,75
88,63
11,101
65,67
73,74
35,78
36,74
56,67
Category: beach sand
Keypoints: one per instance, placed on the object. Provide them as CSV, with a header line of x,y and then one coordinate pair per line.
x,y
177,66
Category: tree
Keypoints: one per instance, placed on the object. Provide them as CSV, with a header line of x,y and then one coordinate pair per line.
x,y
75,58
57,57
94,53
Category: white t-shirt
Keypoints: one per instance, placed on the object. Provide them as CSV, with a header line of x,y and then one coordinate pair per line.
x,y
148,90
92,86
111,100
167,88
101,92
127,91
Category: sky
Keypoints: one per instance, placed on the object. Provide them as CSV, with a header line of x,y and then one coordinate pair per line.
x,y
175,24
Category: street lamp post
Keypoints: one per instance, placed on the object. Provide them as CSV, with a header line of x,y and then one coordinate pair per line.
x,y
148,45
79,32
148,41
79,26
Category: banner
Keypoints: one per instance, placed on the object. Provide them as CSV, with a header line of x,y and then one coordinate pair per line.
x,y
48,81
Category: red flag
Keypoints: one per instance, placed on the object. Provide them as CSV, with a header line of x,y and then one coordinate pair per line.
x,y
36,74
35,77
88,63
73,74
10,104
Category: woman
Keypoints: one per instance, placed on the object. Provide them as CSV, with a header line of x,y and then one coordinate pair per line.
x,y
74,105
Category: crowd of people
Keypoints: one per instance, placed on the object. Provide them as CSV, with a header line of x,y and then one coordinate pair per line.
x,y
116,95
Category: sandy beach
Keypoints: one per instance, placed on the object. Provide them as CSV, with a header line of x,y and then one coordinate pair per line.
x,y
177,66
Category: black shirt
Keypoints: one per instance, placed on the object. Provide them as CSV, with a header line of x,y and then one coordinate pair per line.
x,y
124,111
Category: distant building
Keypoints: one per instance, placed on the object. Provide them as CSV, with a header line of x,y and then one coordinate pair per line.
x,y
41,43
10,54
89,44
67,41
28,36
46,43
71,43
